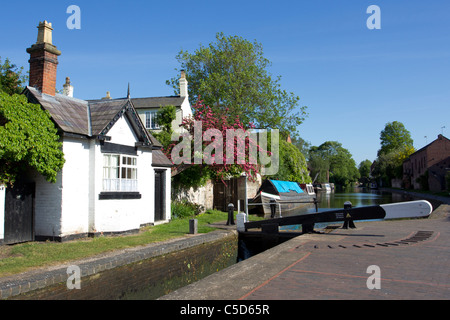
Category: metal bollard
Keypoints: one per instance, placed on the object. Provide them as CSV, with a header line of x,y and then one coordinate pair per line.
x,y
348,222
230,214
273,208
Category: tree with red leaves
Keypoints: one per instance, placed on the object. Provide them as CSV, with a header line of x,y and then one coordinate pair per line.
x,y
214,147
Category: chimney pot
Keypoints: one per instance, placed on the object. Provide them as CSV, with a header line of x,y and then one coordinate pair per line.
x,y
288,139
68,88
108,96
44,33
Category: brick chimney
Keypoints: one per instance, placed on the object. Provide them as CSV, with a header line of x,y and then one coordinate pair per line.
x,y
43,60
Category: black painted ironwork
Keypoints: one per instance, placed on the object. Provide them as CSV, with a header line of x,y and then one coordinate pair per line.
x,y
340,215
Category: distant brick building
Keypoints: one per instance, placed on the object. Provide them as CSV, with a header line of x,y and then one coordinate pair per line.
x,y
429,164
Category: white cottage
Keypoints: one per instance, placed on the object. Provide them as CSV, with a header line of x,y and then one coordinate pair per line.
x,y
147,108
115,178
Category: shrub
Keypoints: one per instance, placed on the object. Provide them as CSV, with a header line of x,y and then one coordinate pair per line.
x,y
185,209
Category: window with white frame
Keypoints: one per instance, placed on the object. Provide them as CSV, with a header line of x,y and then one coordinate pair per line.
x,y
151,120
119,173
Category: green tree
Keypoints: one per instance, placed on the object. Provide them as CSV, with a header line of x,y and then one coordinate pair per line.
x,y
364,170
231,76
292,165
396,146
342,167
394,136
11,78
302,145
28,138
319,165
165,117
389,165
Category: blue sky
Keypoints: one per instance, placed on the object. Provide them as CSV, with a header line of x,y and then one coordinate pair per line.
x,y
353,80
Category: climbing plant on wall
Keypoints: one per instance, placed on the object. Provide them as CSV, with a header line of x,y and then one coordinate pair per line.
x,y
28,139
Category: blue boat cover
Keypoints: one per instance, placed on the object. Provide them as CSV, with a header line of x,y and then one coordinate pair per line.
x,y
286,186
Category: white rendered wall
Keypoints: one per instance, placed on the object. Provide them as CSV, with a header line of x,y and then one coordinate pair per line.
x,y
124,215
47,206
121,133
75,184
61,208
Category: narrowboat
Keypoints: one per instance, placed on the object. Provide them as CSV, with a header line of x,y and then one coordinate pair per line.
x,y
289,198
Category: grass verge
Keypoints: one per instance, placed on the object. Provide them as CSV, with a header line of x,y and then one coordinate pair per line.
x,y
22,257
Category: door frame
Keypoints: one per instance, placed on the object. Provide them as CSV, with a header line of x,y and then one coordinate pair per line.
x,y
19,213
160,195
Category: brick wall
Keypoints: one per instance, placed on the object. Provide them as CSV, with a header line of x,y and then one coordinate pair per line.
x,y
419,162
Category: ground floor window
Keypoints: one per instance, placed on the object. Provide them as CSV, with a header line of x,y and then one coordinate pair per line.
x,y
119,173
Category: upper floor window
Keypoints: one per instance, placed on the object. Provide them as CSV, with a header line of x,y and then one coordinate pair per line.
x,y
151,120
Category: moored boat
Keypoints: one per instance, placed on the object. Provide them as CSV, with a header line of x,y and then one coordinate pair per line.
x,y
289,197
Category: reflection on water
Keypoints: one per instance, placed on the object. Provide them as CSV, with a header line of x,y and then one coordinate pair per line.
x,y
359,197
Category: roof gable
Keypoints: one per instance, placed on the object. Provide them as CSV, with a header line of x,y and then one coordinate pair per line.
x,y
105,114
438,140
91,118
123,133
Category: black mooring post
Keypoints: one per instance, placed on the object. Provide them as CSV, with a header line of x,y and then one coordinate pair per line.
x,y
348,221
230,214
273,208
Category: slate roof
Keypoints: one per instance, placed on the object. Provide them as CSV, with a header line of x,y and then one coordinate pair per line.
x,y
156,102
70,114
103,111
159,159
89,118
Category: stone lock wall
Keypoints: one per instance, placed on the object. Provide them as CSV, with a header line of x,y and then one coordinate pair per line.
x,y
149,278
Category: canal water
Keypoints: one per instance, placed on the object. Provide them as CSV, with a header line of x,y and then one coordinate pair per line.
x,y
359,197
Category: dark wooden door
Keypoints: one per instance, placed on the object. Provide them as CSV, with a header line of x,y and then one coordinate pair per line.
x,y
19,209
219,196
226,193
160,195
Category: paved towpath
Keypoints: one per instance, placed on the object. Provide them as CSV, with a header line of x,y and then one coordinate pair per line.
x,y
411,257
